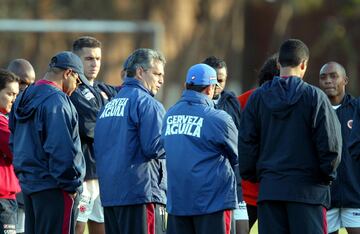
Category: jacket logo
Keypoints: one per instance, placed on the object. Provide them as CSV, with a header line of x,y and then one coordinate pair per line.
x,y
356,213
87,94
184,125
350,123
115,107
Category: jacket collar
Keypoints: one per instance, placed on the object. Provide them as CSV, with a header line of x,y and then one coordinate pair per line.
x,y
132,81
196,97
347,100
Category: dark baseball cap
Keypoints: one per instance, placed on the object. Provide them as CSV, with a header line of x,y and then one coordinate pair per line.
x,y
201,74
69,60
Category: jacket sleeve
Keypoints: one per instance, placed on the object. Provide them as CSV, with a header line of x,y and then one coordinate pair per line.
x,y
61,143
231,142
87,110
327,137
109,90
151,115
249,142
354,140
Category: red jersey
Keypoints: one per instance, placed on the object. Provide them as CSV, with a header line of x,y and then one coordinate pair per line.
x,y
250,190
9,184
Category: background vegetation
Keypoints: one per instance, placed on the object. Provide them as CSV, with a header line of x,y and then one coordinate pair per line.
x,y
243,32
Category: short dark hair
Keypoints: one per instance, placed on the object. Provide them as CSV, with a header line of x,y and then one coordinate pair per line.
x,y
197,88
7,77
292,52
85,41
215,62
269,69
144,58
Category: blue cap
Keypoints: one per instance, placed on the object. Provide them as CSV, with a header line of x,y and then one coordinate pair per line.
x,y
69,60
201,74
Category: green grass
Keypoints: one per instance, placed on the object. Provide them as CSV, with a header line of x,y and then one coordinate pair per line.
x,y
254,230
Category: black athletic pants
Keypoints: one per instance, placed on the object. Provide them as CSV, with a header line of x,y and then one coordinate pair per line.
x,y
291,218
252,213
49,211
217,223
8,214
135,219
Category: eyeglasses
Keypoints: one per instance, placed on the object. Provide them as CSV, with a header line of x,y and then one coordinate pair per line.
x,y
77,77
217,85
25,82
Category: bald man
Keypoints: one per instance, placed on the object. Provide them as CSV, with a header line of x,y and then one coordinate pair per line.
x,y
345,190
23,69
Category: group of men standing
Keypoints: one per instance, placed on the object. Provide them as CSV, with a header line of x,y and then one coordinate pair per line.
x,y
52,129
140,159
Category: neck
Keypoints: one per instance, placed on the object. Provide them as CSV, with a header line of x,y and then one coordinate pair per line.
x,y
291,71
56,79
337,100
91,82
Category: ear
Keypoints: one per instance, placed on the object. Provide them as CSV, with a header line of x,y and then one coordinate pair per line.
x,y
139,72
207,90
346,79
278,65
67,73
303,65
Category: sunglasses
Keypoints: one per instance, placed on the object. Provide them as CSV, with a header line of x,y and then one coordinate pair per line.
x,y
25,82
77,77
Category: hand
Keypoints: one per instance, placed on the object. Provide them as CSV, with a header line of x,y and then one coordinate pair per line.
x,y
73,195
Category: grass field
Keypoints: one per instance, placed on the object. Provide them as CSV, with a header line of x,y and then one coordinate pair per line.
x,y
254,230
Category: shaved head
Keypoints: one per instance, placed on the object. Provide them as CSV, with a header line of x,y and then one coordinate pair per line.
x,y
340,69
332,80
23,69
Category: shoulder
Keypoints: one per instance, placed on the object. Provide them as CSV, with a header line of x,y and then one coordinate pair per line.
x,y
3,121
231,97
82,92
147,99
352,100
57,101
229,94
218,117
108,89
314,95
244,97
141,101
313,90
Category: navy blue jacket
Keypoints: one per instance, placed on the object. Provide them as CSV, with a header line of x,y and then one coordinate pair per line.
x,y
88,100
354,141
345,190
201,149
129,155
229,103
45,141
290,141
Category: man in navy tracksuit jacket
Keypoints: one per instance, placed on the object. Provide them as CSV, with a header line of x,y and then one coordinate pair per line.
x,y
345,190
201,151
88,100
130,159
291,143
46,145
227,101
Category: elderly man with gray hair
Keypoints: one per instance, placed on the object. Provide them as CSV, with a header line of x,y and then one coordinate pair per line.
x,y
128,151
